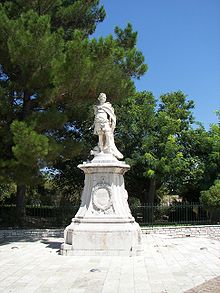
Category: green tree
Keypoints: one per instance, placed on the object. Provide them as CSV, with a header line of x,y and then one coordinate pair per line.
x,y
211,197
49,71
213,165
136,117
69,15
172,155
204,147
154,144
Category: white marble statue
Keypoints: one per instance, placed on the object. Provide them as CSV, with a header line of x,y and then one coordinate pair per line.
x,y
104,126
103,224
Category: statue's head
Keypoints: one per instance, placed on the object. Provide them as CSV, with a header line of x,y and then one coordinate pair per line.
x,y
102,97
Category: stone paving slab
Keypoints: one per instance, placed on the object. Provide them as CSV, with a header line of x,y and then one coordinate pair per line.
x,y
168,265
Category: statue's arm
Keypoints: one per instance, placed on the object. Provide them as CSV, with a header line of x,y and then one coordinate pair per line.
x,y
112,124
95,109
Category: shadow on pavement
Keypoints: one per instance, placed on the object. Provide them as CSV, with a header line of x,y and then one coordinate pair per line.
x,y
52,244
211,286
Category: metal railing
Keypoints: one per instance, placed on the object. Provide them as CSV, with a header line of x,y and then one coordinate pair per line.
x,y
176,214
149,215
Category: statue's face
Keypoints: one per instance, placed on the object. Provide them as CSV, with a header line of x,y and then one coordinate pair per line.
x,y
102,98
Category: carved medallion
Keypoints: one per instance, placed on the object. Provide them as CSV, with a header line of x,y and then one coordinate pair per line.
x,y
101,197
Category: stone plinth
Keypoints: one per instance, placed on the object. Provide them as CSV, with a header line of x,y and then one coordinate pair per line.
x,y
104,224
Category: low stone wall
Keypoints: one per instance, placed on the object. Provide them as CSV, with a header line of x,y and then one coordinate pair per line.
x,y
181,231
29,233
185,231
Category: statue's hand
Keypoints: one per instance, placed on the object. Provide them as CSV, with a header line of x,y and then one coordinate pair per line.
x,y
92,126
112,126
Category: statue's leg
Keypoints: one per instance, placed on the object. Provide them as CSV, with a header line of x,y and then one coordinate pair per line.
x,y
108,137
101,141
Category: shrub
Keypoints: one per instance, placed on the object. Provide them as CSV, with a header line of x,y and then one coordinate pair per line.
x,y
211,197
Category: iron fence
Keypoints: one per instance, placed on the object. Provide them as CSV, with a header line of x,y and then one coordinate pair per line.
x,y
149,215
176,214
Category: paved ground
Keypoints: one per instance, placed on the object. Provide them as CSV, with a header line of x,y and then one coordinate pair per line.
x,y
168,265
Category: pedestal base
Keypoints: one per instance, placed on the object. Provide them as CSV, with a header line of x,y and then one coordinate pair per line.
x,y
103,224
102,239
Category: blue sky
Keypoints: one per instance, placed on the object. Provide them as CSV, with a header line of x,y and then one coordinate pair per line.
x,y
180,40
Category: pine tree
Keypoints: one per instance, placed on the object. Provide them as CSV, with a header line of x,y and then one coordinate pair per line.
x,y
50,69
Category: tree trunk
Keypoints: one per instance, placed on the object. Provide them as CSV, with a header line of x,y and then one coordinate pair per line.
x,y
151,192
21,188
20,200
149,216
26,105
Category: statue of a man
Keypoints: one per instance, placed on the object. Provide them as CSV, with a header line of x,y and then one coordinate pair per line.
x,y
104,126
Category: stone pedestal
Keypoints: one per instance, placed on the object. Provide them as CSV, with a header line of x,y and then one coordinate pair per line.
x,y
103,224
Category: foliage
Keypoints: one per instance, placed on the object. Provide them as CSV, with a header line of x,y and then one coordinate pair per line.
x,y
136,116
68,15
211,197
6,191
28,144
134,202
163,146
154,143
203,146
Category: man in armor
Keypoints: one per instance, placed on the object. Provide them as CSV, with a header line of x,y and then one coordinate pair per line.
x,y
104,126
